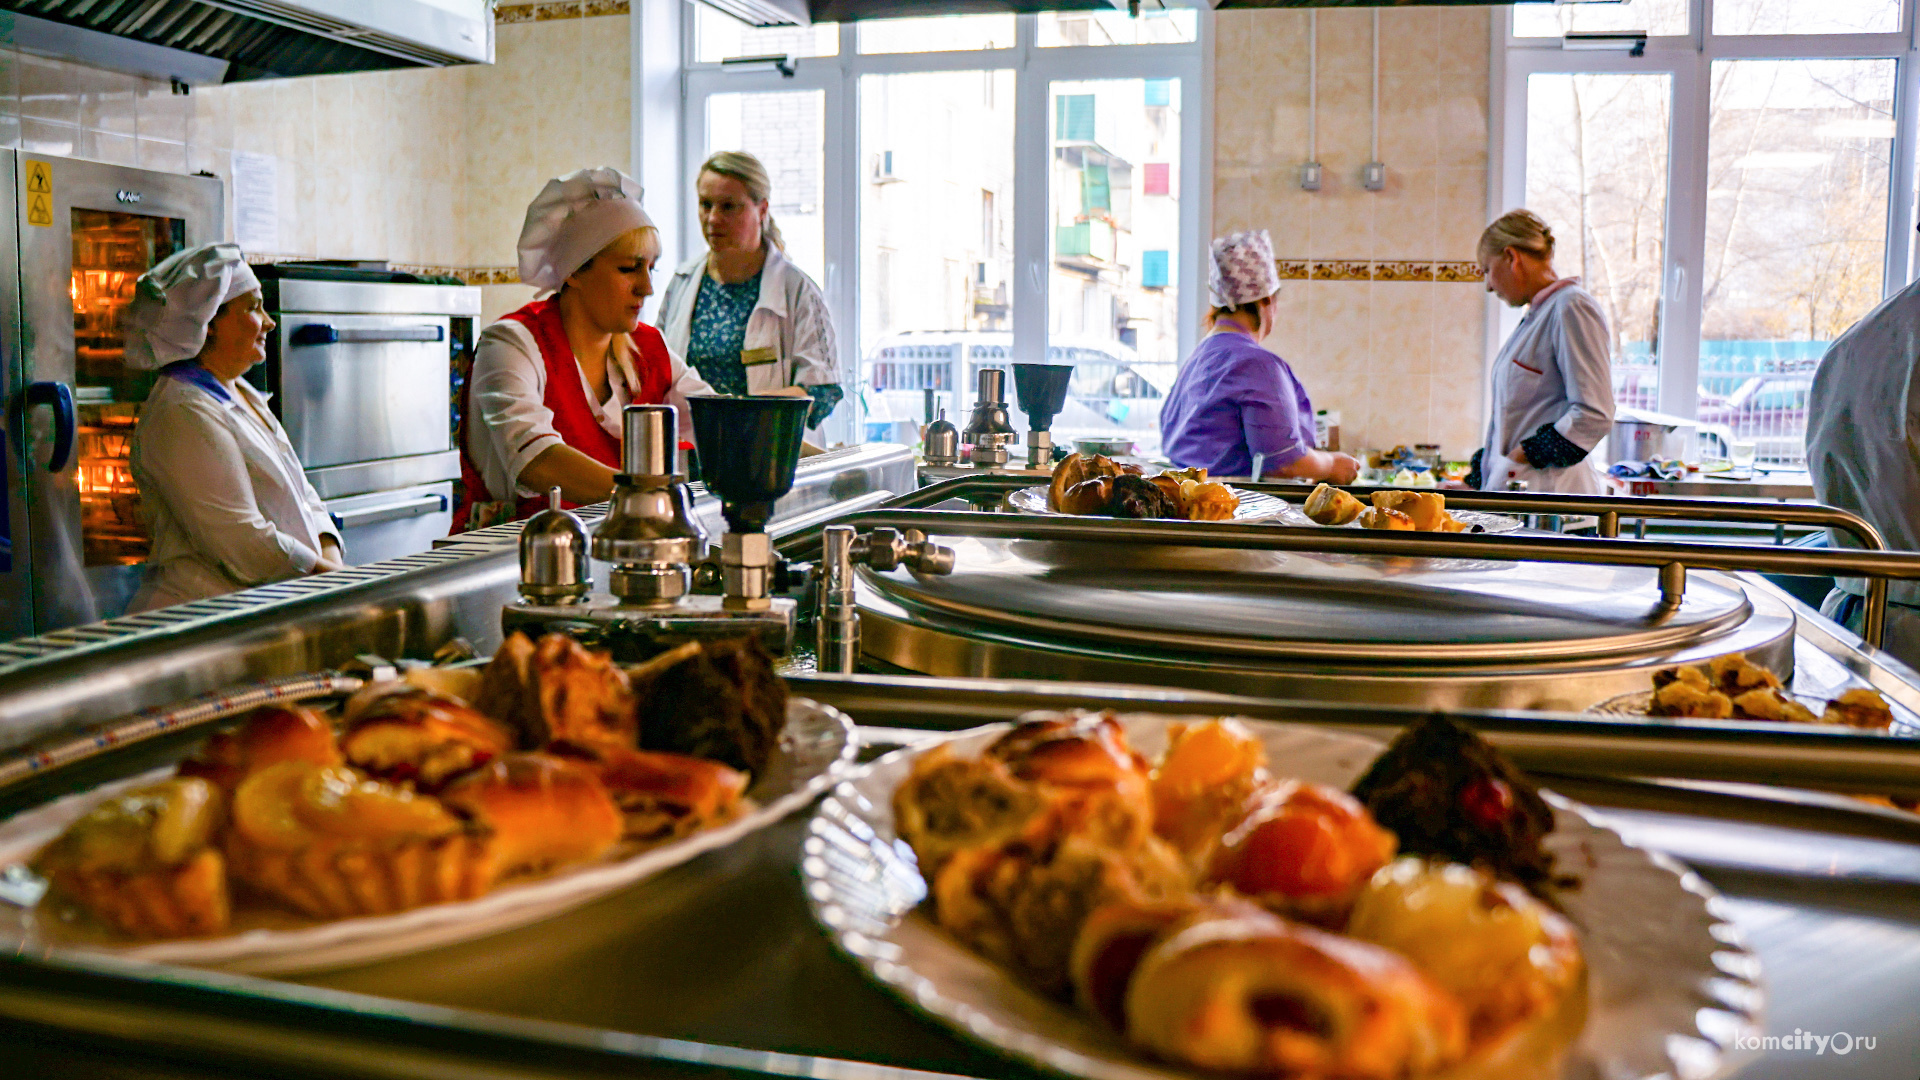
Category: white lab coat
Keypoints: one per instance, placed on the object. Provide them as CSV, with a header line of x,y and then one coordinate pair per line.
x,y
225,497
790,317
511,423
1863,445
1555,369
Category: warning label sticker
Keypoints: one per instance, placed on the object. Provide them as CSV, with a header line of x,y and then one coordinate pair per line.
x,y
39,193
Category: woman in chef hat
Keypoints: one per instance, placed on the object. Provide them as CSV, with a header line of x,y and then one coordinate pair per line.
x,y
224,493
1236,409
743,314
550,380
1553,379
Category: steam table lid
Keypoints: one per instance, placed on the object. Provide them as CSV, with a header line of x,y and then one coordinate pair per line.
x,y
1330,607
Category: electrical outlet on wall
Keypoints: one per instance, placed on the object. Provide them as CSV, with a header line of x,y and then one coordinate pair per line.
x,y
1373,176
1310,176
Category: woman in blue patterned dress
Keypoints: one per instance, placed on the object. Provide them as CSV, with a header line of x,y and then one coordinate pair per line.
x,y
749,320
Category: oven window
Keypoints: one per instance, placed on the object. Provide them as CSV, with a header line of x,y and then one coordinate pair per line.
x,y
111,250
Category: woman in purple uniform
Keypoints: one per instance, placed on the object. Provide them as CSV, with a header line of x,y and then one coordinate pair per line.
x,y
1236,409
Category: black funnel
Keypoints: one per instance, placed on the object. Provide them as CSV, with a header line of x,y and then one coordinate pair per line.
x,y
1042,390
748,448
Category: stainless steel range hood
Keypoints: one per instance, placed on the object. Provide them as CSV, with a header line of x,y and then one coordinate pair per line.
x,y
260,39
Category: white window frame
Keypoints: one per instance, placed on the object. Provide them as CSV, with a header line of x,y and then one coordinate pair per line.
x,y
1034,69
1688,60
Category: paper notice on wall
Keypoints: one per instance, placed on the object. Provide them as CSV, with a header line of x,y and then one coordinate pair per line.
x,y
256,203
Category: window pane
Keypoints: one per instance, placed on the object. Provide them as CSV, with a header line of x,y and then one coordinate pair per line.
x,y
1806,16
1117,28
1113,310
936,243
786,130
940,33
1597,173
1797,177
1659,18
717,35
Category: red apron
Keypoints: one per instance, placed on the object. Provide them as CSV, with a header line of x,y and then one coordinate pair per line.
x,y
573,418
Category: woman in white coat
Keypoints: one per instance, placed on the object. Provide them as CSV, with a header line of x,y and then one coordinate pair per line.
x,y
745,317
1553,380
224,493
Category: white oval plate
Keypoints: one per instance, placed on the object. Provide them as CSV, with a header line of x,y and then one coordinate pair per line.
x,y
1670,984
817,747
1254,505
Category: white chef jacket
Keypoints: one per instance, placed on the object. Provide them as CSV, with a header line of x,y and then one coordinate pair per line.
x,y
511,423
790,317
1863,423
1554,369
224,494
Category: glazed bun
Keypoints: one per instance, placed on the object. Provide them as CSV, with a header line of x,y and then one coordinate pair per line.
x,y
1328,505
1426,509
541,811
1305,850
1253,995
270,735
414,735
1074,469
1117,936
1089,496
1378,518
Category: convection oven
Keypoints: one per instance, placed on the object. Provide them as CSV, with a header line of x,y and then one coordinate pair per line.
x,y
72,541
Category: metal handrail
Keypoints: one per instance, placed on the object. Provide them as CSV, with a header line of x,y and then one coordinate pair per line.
x,y
1672,559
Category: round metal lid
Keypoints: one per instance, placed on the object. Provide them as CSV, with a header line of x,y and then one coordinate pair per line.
x,y
1327,607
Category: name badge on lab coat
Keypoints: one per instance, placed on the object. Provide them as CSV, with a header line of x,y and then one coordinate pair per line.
x,y
756,357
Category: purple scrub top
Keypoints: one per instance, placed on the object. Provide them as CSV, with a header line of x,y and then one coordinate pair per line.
x,y
1234,399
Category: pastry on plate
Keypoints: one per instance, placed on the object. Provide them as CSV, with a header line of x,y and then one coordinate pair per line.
x,y
1382,518
269,735
557,689
1446,793
1204,781
1140,497
661,796
1076,469
1089,496
1250,995
1506,956
1859,708
537,812
1203,501
1304,850
1690,695
400,732
143,862
1328,505
719,700
1426,509
1116,936
1772,704
332,842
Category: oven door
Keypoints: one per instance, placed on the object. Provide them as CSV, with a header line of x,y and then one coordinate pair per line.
x,y
362,388
87,231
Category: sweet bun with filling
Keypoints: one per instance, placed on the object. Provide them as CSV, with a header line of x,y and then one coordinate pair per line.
x,y
1382,518
1328,505
269,735
539,811
416,736
1426,509
143,863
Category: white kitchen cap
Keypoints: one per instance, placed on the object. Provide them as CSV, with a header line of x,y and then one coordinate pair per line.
x,y
572,219
1243,269
173,303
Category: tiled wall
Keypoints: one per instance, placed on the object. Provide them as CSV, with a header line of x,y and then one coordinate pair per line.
x,y
427,167
1378,332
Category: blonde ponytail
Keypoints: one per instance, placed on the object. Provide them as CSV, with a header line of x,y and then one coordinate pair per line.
x,y
744,167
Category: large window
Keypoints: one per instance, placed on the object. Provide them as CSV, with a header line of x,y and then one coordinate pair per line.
x,y
1727,194
991,189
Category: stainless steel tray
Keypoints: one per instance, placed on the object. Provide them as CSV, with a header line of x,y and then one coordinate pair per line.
x,y
714,969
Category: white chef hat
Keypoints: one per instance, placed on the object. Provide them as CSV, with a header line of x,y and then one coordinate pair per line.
x,y
173,303
572,219
1243,269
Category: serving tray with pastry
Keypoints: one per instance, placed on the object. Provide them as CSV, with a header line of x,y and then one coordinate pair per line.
x,y
444,804
1093,484
1414,511
1142,896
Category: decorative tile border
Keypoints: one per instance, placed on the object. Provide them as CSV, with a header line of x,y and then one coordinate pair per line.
x,y
548,10
1364,270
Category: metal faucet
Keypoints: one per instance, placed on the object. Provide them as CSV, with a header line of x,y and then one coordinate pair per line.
x,y
988,430
838,615
649,533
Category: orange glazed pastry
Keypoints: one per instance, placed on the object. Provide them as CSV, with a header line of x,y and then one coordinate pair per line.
x,y
271,734
331,842
661,796
404,733
1305,850
537,811
141,861
1204,783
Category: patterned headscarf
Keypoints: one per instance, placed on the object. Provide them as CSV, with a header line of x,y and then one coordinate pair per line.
x,y
1243,269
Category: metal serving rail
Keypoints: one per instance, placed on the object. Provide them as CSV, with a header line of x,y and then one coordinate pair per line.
x,y
715,969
